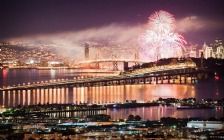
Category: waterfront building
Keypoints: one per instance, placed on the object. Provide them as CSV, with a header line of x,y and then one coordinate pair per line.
x,y
220,52
208,51
215,50
216,125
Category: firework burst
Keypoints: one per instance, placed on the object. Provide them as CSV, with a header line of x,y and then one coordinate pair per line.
x,y
160,39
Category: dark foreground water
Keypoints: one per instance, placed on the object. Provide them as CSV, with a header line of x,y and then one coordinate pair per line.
x,y
109,94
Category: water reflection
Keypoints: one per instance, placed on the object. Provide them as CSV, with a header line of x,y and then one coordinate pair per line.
x,y
155,113
111,94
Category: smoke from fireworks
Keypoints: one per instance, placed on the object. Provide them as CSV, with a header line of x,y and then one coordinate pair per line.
x,y
160,40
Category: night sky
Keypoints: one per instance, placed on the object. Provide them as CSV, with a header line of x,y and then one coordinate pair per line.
x,y
25,18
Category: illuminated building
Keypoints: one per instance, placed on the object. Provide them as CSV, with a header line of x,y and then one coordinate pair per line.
x,y
191,51
217,125
208,51
215,50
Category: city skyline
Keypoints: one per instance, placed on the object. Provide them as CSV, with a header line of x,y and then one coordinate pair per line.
x,y
72,22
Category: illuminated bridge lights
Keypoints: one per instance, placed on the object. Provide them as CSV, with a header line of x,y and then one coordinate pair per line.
x,y
139,73
113,60
164,68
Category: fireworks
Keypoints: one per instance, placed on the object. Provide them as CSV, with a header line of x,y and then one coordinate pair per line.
x,y
160,39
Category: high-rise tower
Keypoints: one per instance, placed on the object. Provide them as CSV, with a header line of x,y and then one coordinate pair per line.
x,y
86,51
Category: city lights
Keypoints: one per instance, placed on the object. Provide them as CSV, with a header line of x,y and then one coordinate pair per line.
x,y
114,69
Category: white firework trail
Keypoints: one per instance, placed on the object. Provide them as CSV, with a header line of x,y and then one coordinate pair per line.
x,y
160,39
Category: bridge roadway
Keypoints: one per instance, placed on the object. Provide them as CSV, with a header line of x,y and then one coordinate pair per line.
x,y
140,76
113,60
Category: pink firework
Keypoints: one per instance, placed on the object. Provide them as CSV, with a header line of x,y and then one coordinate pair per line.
x,y
162,21
160,39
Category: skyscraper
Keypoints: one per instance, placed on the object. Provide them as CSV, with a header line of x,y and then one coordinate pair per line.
x,y
86,51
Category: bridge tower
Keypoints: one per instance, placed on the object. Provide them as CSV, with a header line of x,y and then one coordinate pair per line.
x,y
115,65
86,51
136,58
97,57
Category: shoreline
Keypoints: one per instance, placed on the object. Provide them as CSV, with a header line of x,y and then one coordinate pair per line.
x,y
59,68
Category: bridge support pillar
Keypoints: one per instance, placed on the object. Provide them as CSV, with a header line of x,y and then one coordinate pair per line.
x,y
161,80
173,79
133,81
118,82
104,83
127,81
90,85
115,66
139,81
156,80
150,80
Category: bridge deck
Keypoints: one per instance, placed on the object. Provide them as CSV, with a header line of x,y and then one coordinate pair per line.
x,y
157,71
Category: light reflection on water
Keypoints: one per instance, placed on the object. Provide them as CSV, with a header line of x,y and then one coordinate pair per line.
x,y
155,113
113,94
141,93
